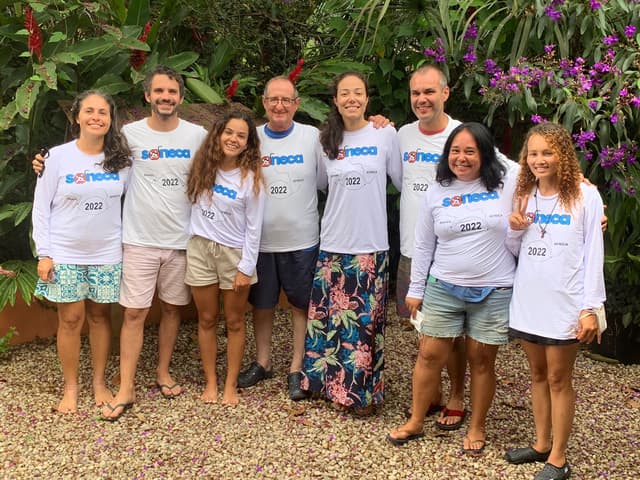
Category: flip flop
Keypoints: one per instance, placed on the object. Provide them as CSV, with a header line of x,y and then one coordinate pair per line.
x,y
168,396
476,452
451,413
124,406
402,441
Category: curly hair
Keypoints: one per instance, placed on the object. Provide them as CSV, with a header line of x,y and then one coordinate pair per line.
x,y
491,169
209,157
569,173
332,133
117,154
163,70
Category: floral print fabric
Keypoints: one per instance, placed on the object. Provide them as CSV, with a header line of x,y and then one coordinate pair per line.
x,y
344,343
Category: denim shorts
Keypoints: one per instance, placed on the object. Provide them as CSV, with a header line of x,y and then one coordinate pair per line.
x,y
291,271
446,316
72,283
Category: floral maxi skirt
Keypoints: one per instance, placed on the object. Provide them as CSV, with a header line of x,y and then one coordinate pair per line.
x,y
344,342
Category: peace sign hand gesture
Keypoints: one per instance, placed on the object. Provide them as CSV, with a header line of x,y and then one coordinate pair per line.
x,y
518,219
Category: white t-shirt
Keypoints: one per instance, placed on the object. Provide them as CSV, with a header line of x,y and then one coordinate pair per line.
x,y
156,207
355,216
76,209
559,273
290,167
462,228
232,216
420,156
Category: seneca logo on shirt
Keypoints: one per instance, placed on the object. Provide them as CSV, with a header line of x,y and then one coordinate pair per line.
x,y
458,200
554,219
84,177
158,153
356,152
272,159
418,156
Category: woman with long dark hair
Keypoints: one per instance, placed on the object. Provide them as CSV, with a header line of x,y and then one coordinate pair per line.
x,y
77,230
461,276
344,344
226,188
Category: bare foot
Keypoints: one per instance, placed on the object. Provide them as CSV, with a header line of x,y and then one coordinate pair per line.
x,y
69,402
101,394
210,394
230,397
168,386
452,416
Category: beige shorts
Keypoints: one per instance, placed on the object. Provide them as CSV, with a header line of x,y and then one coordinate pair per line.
x,y
144,268
208,263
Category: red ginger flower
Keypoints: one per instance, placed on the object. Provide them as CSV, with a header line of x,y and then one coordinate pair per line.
x,y
293,76
138,56
34,42
231,89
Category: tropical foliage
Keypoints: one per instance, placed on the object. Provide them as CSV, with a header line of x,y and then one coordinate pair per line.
x,y
511,63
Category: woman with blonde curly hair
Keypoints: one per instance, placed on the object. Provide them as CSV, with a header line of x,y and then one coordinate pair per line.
x,y
558,285
226,188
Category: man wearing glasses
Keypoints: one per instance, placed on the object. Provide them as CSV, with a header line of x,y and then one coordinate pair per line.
x,y
290,232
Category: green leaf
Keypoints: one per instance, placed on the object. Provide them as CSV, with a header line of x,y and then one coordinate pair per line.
x,y
112,84
203,91
119,8
47,72
93,46
7,114
21,211
26,96
315,108
182,60
221,57
133,44
67,57
386,65
57,37
138,12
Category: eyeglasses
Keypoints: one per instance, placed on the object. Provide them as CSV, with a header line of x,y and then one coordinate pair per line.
x,y
285,101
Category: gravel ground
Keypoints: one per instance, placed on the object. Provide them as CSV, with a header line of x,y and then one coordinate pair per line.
x,y
268,436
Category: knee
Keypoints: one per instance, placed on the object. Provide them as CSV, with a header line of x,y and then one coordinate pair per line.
x,y
429,359
539,374
71,323
482,364
559,382
235,325
135,317
207,321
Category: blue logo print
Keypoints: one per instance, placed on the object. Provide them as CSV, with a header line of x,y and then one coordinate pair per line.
x,y
268,160
418,156
84,177
158,153
458,200
227,192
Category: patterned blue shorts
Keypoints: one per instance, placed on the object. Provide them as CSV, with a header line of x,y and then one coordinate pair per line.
x,y
72,283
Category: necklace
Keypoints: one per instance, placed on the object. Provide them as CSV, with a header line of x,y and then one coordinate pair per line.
x,y
543,230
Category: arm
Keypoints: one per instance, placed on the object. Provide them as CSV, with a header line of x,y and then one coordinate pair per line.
x,y
45,191
394,161
254,211
423,252
594,290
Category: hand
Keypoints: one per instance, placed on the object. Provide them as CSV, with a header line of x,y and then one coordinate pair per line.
x,y
518,219
379,121
604,221
413,304
38,164
587,327
45,269
241,281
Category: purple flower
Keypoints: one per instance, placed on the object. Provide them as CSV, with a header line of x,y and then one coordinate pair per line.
x,y
614,118
472,32
616,186
588,156
635,102
610,40
470,56
491,66
623,92
593,105
631,191
549,48
553,14
595,5
629,31
429,52
536,119
583,137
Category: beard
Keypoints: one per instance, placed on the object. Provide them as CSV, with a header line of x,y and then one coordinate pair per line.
x,y
164,114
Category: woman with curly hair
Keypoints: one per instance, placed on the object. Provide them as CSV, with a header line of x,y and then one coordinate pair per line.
x,y
226,188
77,230
559,284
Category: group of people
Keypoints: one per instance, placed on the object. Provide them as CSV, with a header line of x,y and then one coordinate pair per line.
x,y
233,214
